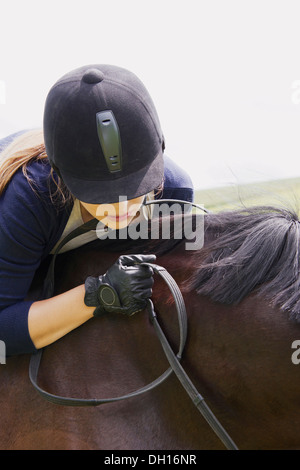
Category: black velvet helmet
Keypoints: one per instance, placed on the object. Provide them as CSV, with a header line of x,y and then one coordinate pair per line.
x,y
102,134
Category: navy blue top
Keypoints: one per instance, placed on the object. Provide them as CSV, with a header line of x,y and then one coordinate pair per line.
x,y
30,226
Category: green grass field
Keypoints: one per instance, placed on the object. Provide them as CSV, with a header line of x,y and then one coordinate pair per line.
x,y
282,193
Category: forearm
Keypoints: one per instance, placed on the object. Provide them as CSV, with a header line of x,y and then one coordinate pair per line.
x,y
51,319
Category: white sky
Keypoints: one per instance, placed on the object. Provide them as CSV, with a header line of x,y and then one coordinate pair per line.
x,y
224,74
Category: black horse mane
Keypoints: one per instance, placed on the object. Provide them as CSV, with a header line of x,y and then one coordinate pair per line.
x,y
254,249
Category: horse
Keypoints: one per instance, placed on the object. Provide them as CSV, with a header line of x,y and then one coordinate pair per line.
x,y
242,297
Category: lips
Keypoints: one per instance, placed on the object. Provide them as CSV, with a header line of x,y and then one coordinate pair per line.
x,y
119,218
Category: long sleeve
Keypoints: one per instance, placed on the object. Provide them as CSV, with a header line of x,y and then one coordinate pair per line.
x,y
29,228
177,182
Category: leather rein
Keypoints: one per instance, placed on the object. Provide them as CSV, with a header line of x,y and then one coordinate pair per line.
x,y
173,359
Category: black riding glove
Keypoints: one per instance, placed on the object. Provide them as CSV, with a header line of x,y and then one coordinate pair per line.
x,y
124,288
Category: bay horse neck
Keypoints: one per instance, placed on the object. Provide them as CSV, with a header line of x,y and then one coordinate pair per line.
x,y
238,356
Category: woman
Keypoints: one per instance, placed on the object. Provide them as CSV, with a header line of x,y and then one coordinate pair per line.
x,y
99,155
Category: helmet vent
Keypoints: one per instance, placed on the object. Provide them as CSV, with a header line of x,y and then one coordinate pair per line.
x,y
110,140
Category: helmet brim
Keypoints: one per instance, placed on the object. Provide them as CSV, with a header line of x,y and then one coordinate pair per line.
x,y
131,186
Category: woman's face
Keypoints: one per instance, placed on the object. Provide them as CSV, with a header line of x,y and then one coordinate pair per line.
x,y
115,216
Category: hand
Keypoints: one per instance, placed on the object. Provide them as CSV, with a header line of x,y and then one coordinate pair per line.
x,y
124,288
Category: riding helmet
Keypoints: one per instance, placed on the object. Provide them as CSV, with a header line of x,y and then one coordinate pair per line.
x,y
103,135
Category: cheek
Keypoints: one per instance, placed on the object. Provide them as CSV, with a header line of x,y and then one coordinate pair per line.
x,y
135,205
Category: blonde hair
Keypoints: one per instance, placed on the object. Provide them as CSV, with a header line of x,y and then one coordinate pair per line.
x,y
20,153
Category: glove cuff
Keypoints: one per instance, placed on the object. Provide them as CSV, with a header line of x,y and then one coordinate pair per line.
x,y
91,288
